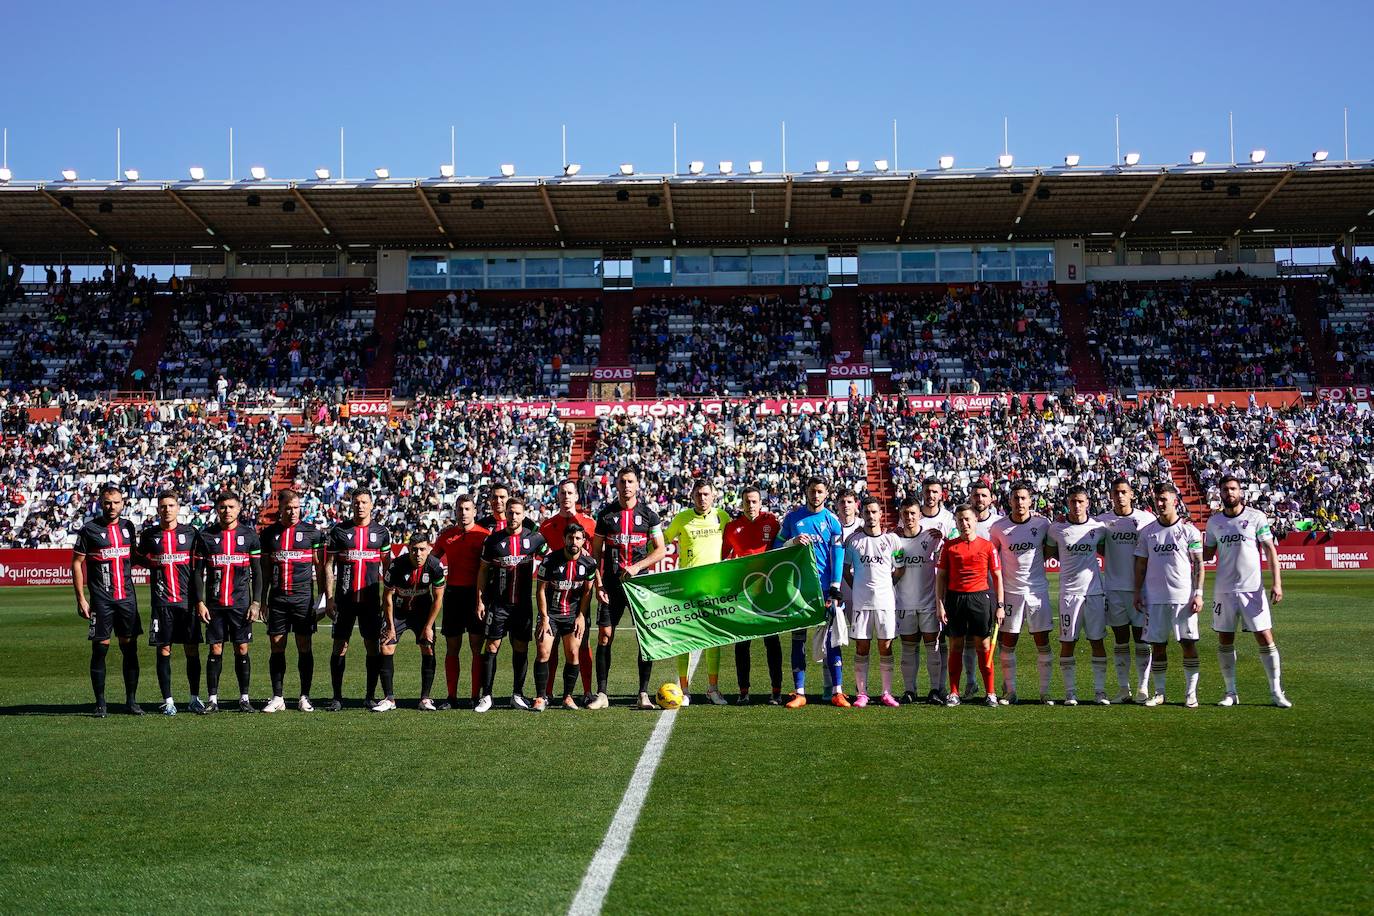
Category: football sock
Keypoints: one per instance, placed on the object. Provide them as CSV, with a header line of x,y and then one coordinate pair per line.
x,y
970,666
1069,672
488,672
276,668
743,664
1121,655
1191,668
956,670
646,674
372,664
129,653
1008,658
193,673
1159,668
772,650
243,667
98,652
911,665
336,674
1269,658
1044,664
1226,660
519,664
985,668
885,672
603,667
570,677
584,665
799,660
683,662
305,663
164,676
451,672
427,668
386,670
942,663
835,663
1099,674
541,675
712,658
1143,665
475,675
933,667
547,685
861,674
213,666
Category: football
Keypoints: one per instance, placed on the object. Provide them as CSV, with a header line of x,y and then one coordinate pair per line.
x,y
669,696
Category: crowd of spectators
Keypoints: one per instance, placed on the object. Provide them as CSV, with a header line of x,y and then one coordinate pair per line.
x,y
760,343
511,349
987,338
50,471
1188,336
417,466
254,346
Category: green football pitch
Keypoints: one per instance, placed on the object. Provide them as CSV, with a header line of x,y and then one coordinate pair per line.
x,y
753,809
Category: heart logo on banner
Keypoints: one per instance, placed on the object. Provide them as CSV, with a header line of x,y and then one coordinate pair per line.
x,y
773,594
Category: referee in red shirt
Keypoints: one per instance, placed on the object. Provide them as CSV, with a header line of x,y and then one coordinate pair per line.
x,y
964,603
750,533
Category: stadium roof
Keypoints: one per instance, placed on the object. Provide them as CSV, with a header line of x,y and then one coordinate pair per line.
x,y
1162,207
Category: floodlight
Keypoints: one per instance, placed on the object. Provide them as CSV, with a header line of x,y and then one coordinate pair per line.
x,y
1004,161
131,174
382,173
1257,156
69,174
572,168
822,165
1197,157
627,168
851,165
755,166
446,170
880,165
696,166
507,170
1072,159
1131,159
5,174
1320,155
197,173
322,174
258,172
726,166
946,162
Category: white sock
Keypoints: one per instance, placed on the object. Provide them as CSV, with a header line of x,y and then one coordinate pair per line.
x,y
885,671
1121,654
1226,660
1269,658
1008,657
1044,662
861,674
1099,674
911,664
1143,665
1160,669
933,666
970,669
1068,670
1191,668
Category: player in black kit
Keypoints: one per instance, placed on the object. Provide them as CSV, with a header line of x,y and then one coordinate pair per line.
x,y
103,561
293,552
414,593
165,548
229,557
564,595
359,551
504,600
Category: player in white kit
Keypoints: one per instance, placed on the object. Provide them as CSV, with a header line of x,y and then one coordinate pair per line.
x,y
1235,536
1168,571
1124,522
980,497
871,560
1077,543
921,536
1020,542
847,511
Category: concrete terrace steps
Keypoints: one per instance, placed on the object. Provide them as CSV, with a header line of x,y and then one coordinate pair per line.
x,y
152,341
583,445
1304,307
1183,476
284,472
1084,362
880,473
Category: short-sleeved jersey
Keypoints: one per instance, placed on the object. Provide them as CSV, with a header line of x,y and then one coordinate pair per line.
x,y
626,535
872,559
968,565
226,556
983,526
846,595
920,553
827,543
108,548
1118,563
1021,548
460,550
357,552
1167,550
168,552
565,581
699,537
744,538
411,584
554,526
513,557
291,552
1079,572
1237,539
494,524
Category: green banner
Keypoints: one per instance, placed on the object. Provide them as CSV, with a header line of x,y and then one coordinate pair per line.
x,y
722,603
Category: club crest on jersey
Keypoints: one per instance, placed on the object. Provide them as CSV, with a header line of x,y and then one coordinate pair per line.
x,y
298,537
525,543
372,538
639,520
181,539
240,540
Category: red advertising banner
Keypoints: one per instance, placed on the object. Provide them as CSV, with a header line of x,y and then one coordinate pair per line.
x,y
612,374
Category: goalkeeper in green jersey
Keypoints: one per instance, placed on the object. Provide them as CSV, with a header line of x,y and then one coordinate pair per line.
x,y
699,532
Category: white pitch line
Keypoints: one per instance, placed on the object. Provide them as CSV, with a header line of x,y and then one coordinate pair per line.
x,y
601,870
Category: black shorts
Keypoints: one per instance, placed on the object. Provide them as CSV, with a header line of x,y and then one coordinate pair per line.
x,y
285,617
117,617
610,613
363,608
460,611
228,624
173,626
415,623
506,622
969,613
562,626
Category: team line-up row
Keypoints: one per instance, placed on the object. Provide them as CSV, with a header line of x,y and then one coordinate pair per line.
x,y
945,584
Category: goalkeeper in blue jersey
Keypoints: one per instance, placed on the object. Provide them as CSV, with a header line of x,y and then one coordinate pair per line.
x,y
819,528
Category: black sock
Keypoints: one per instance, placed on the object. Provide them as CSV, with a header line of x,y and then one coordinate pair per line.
x,y
305,661
373,664
646,674
336,674
386,668
541,676
193,673
98,652
742,664
570,673
519,663
129,651
276,666
243,667
164,675
772,646
488,672
427,664
213,666
603,667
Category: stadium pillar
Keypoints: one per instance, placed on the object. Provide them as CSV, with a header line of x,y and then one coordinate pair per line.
x,y
341,263
1233,249
230,265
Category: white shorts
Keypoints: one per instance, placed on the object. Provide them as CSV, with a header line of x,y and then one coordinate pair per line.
x,y
877,623
1082,613
1251,607
915,622
1031,610
1165,620
1121,610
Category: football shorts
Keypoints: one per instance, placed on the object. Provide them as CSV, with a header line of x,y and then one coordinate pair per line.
x,y
362,608
1121,610
970,614
1165,621
285,617
874,623
460,611
228,624
1030,610
1082,614
1252,608
917,621
173,626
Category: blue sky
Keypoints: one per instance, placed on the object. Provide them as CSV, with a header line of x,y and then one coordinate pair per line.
x,y
175,76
